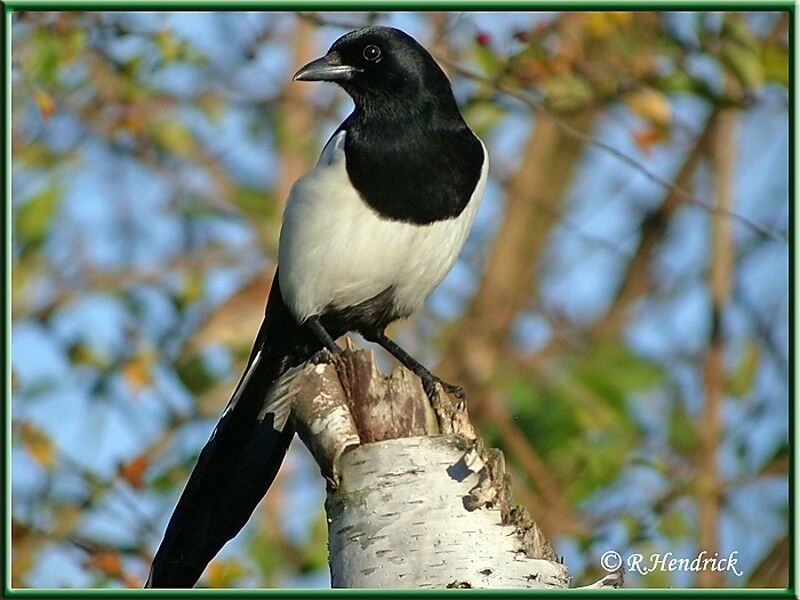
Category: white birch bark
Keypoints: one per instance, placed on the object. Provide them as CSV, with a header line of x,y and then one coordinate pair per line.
x,y
411,512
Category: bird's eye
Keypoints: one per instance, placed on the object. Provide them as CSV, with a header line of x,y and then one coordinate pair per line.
x,y
372,52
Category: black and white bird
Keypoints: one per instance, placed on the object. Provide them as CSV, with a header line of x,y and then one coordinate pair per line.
x,y
367,235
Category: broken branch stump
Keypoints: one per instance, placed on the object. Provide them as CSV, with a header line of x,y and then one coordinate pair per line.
x,y
415,499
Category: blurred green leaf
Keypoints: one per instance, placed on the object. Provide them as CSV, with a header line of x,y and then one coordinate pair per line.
x,y
595,460
254,202
190,290
44,55
172,135
567,93
740,52
585,437
487,59
194,374
167,480
676,80
612,372
745,64
545,418
84,354
267,556
633,528
224,573
169,47
682,431
675,525
315,550
482,116
579,417
37,155
35,217
73,45
735,28
775,59
741,380
531,65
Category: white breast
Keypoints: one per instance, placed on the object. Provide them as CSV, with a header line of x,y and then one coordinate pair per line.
x,y
336,251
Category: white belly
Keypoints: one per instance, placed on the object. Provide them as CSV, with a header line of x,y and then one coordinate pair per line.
x,y
336,251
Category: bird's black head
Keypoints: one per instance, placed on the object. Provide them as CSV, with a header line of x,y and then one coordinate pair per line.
x,y
379,65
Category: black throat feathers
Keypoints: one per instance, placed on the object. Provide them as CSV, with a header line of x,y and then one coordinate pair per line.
x,y
412,165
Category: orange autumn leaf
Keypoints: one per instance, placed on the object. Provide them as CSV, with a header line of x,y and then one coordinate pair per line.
x,y
137,370
532,69
107,562
45,103
133,120
133,470
647,138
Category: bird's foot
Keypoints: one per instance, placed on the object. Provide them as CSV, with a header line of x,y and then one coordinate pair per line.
x,y
325,356
429,384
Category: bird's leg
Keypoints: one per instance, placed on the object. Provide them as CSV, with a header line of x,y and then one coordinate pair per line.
x,y
318,330
429,380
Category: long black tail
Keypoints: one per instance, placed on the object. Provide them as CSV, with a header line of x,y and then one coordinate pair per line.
x,y
239,461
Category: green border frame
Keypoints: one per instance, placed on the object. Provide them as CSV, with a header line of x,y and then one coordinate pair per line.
x,y
423,5
400,5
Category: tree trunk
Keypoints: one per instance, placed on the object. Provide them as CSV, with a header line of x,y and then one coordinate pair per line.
x,y
415,499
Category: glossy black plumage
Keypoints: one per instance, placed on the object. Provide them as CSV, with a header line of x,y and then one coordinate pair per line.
x,y
409,153
240,460
443,170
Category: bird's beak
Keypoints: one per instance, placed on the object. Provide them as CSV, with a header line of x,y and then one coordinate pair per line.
x,y
327,68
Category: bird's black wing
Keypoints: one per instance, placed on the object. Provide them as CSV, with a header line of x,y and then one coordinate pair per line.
x,y
240,460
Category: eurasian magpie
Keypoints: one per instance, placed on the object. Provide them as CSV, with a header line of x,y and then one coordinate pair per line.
x,y
367,235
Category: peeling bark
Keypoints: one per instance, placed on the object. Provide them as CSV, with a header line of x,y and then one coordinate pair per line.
x,y
423,512
415,498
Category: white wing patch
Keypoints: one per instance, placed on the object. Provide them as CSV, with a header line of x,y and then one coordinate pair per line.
x,y
278,400
245,380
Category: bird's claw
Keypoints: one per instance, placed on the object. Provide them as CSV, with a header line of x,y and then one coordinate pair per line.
x,y
323,357
430,384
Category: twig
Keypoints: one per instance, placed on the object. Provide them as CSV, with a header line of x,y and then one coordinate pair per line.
x,y
323,22
710,427
540,109
637,280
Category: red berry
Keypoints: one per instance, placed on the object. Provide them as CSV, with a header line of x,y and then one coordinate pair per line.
x,y
483,38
